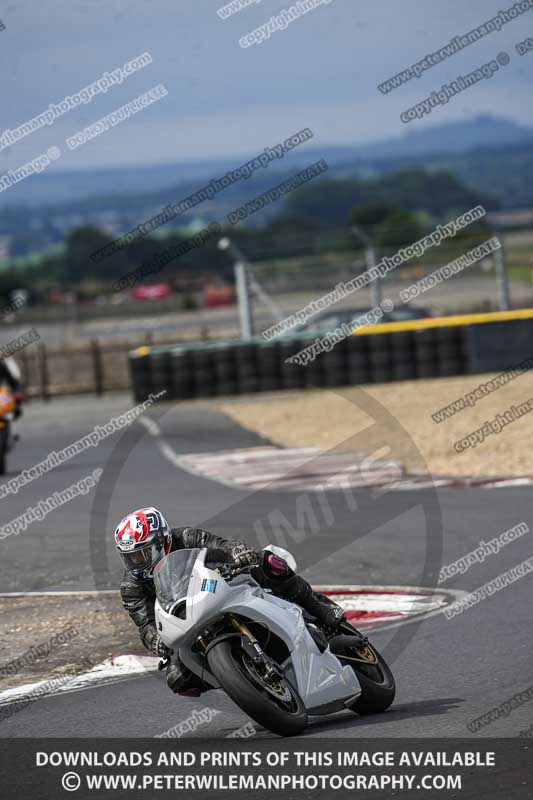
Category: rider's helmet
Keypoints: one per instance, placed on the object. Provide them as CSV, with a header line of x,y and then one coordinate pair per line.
x,y
142,539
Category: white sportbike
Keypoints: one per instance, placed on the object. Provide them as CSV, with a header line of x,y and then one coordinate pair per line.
x,y
265,652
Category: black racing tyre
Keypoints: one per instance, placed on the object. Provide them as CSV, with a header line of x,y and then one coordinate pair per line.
x,y
336,377
357,377
248,385
359,360
4,435
315,376
204,383
269,384
449,367
181,366
449,335
401,347
161,376
427,369
183,392
248,374
234,670
225,388
403,371
380,374
201,359
292,375
141,390
448,351
224,369
426,357
334,360
378,687
380,358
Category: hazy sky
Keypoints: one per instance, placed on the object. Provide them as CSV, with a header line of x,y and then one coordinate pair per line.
x,y
321,72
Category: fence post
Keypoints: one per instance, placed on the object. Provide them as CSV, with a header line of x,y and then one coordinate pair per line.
x,y
97,367
43,372
243,295
24,366
503,278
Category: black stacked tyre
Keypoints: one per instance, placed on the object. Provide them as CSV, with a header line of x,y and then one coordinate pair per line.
x,y
141,382
293,375
357,360
247,367
315,371
450,351
426,353
380,357
203,370
335,365
403,356
225,365
182,375
269,366
161,379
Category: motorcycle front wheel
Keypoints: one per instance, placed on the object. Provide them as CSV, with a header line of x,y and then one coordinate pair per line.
x,y
271,701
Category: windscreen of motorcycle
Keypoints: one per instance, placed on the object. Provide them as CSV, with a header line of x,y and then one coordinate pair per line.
x,y
172,576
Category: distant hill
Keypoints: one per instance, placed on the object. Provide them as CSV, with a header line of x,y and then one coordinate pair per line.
x,y
504,172
484,131
436,193
142,185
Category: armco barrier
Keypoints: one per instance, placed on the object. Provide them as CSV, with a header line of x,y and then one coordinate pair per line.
x,y
434,347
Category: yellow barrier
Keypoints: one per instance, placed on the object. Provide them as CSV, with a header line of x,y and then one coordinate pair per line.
x,y
442,322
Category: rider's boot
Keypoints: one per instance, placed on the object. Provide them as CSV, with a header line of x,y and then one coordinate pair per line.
x,y
296,589
327,615
182,681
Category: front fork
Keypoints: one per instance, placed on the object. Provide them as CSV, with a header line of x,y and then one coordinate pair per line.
x,y
250,645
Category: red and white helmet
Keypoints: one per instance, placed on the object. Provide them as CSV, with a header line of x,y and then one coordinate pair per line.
x,y
142,539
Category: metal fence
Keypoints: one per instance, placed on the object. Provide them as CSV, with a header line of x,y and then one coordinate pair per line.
x,y
476,288
96,368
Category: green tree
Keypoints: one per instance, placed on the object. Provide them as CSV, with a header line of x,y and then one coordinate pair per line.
x,y
399,229
370,216
80,244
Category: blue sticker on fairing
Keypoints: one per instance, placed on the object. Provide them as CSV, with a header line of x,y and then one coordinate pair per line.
x,y
209,585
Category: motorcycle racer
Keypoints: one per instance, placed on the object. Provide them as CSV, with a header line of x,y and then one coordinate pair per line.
x,y
143,538
10,374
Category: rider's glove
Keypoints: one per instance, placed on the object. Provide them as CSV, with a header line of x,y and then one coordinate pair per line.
x,y
244,556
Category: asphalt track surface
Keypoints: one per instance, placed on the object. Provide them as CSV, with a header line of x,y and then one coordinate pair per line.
x,y
447,672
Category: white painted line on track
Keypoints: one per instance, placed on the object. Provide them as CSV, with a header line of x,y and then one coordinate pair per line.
x,y
165,449
113,669
384,607
150,425
293,469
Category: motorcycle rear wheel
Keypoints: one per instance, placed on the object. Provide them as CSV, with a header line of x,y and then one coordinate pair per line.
x,y
276,706
4,433
378,687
